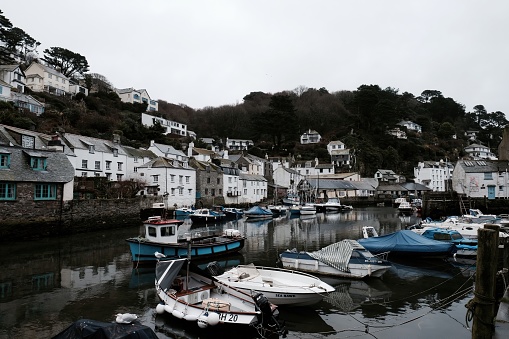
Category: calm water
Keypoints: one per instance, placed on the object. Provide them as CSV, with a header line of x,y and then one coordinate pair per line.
x,y
46,285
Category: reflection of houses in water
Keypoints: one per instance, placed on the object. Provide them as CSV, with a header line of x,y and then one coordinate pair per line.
x,y
83,277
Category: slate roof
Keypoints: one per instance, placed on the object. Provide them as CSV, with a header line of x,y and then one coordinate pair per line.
x,y
483,166
58,170
251,177
139,152
410,186
8,136
331,184
83,142
161,162
168,149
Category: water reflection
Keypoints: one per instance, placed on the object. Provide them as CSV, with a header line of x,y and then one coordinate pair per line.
x,y
46,285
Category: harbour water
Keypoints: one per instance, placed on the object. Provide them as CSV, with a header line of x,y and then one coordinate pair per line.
x,y
47,284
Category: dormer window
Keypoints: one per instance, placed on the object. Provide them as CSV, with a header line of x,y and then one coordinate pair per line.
x,y
5,160
115,152
38,163
91,149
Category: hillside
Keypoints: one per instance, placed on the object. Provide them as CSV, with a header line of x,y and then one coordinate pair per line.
x,y
359,118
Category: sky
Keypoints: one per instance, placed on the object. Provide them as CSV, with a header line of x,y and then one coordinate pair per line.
x,y
212,53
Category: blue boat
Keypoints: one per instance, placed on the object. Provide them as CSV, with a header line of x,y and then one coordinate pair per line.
x,y
465,248
258,212
409,244
161,236
183,211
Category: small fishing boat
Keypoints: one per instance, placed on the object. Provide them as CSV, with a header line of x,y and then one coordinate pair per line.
x,y
278,210
406,208
161,235
280,286
333,205
408,244
233,213
258,212
189,295
206,215
346,258
183,211
303,210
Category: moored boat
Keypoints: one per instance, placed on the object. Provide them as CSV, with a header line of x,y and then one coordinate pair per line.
x,y
206,215
161,235
183,211
280,286
258,212
207,302
408,244
346,258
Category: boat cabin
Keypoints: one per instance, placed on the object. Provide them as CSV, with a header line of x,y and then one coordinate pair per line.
x,y
162,230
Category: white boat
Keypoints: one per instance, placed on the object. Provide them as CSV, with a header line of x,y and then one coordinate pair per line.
x,y
346,258
278,209
194,297
303,210
280,286
333,205
405,207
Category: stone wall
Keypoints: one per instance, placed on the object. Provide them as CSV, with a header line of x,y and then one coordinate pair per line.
x,y
25,219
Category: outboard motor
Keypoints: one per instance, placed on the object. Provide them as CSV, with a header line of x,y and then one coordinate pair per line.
x,y
214,268
266,319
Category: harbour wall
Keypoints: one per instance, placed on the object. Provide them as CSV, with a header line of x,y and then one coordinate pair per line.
x,y
34,219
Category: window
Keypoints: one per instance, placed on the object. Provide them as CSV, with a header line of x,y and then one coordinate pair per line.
x,y
135,159
172,191
84,163
38,164
97,165
181,178
108,176
220,191
229,180
218,181
187,179
156,178
208,180
119,177
152,231
172,177
213,192
119,166
7,191
206,191
45,192
83,174
181,191
115,152
5,160
167,231
488,176
91,149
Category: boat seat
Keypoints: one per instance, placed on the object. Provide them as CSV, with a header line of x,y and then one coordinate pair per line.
x,y
268,281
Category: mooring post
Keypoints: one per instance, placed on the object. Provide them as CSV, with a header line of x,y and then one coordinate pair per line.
x,y
485,279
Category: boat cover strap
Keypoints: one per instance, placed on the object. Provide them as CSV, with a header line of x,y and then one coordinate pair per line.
x,y
338,254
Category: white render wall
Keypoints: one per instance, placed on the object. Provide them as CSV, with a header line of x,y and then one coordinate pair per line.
x,y
252,191
178,183
231,184
176,127
102,158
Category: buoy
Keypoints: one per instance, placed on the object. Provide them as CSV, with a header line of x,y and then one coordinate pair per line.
x,y
202,321
177,314
168,309
160,308
213,319
190,317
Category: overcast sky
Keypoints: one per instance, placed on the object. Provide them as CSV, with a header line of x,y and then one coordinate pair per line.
x,y
213,53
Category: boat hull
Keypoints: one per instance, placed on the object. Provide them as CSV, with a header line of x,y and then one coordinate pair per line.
x,y
142,250
306,263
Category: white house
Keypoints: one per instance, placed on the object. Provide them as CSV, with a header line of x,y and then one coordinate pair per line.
x,y
14,76
27,102
75,88
384,175
167,151
231,185
480,152
41,78
135,158
340,155
481,178
411,126
310,137
253,188
238,144
398,133
96,157
5,91
172,127
286,177
171,179
131,95
434,174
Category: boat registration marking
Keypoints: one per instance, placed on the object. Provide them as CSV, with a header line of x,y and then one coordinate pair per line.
x,y
285,295
232,318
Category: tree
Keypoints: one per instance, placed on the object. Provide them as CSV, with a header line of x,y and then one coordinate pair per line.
x,y
5,26
19,43
67,62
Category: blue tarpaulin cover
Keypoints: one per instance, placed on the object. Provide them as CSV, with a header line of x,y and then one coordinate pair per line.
x,y
406,241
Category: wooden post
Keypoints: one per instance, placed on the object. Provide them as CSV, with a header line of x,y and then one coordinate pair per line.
x,y
485,279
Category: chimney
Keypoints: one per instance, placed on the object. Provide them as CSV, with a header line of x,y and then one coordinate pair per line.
x,y
55,144
225,154
190,149
116,138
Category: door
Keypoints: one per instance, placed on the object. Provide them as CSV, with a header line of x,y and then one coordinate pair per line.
x,y
491,192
